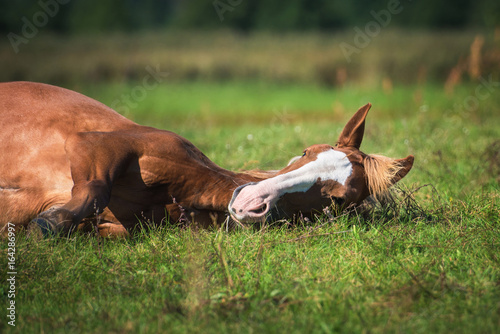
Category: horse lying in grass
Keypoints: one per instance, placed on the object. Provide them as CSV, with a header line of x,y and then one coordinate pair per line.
x,y
71,162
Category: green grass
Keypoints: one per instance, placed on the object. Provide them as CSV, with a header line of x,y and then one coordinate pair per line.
x,y
404,276
429,263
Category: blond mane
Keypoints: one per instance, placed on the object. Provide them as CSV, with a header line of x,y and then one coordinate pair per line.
x,y
262,174
381,173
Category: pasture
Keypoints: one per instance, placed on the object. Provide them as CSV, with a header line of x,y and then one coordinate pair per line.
x,y
429,262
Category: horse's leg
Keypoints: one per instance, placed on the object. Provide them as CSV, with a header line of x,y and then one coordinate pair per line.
x,y
96,159
106,226
90,197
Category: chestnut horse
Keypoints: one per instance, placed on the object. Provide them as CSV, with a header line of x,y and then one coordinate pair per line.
x,y
71,162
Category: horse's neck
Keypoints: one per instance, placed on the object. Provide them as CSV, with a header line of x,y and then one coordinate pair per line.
x,y
193,181
215,189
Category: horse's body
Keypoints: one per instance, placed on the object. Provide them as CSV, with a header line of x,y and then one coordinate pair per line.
x,y
68,160
60,149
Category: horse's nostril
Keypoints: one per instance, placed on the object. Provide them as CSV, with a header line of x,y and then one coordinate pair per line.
x,y
246,213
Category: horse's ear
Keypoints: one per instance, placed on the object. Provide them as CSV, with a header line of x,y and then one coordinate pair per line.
x,y
406,164
353,132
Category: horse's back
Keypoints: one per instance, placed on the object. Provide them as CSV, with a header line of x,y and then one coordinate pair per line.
x,y
29,106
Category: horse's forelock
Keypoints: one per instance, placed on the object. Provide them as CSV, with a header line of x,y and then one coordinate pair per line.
x,y
380,173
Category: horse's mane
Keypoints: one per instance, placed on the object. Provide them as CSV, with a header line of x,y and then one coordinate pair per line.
x,y
381,173
261,174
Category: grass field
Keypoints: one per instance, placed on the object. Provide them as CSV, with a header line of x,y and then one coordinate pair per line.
x,y
428,263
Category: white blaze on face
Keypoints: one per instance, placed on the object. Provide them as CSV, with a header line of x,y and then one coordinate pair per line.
x,y
254,200
329,165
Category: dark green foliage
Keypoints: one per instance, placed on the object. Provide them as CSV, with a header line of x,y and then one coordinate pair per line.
x,y
111,15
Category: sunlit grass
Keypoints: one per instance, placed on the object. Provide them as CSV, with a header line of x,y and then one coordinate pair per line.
x,y
350,274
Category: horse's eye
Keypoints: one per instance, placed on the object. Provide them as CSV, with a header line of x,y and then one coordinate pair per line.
x,y
304,153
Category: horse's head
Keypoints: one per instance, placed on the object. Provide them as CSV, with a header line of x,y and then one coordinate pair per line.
x,y
324,174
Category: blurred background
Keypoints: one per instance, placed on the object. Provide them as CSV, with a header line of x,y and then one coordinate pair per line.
x,y
328,43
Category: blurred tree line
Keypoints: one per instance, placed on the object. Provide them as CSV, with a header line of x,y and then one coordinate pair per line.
x,y
80,16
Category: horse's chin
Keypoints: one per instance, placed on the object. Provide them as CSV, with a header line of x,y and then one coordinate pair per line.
x,y
248,221
271,216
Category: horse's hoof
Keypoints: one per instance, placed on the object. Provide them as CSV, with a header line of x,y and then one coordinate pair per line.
x,y
41,228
